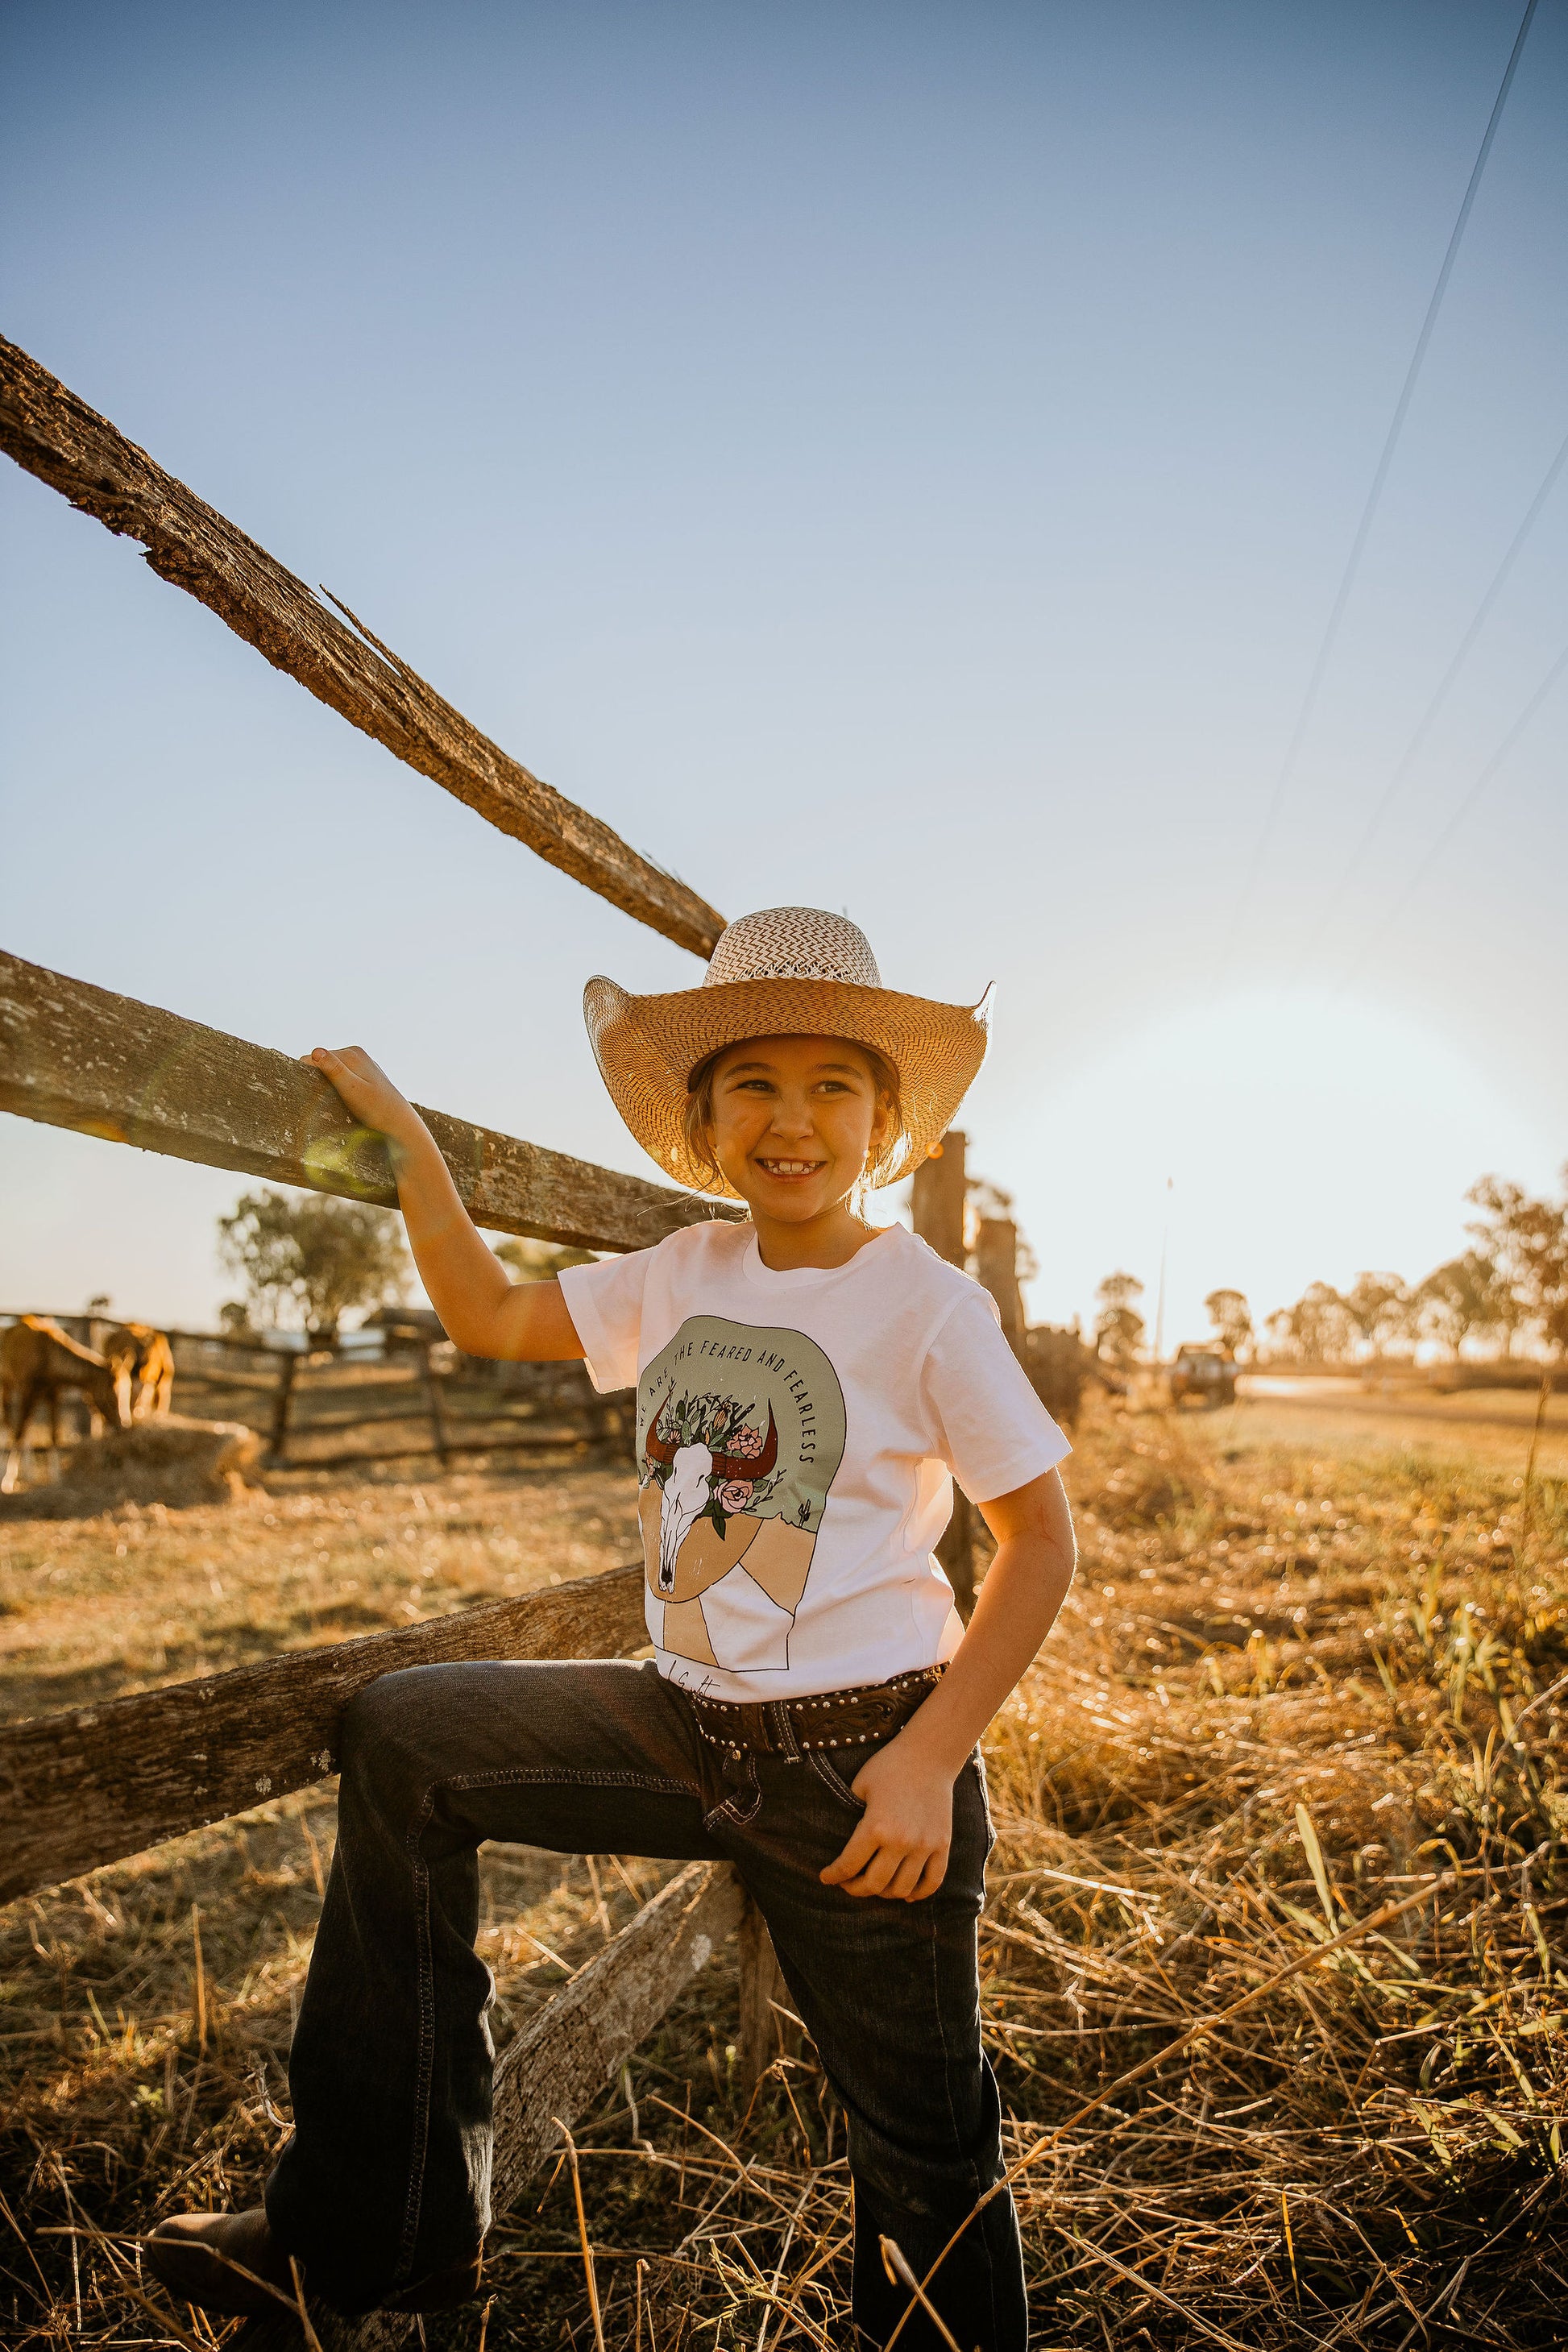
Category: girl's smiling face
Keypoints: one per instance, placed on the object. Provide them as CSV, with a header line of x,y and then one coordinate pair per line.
x,y
794,1121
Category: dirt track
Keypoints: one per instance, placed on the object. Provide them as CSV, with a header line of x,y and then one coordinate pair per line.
x,y
1491,1425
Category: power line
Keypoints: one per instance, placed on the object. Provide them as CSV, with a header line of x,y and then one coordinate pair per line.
x,y
1462,653
1358,545
1415,879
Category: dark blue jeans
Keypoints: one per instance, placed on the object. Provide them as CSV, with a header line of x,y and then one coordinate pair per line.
x,y
388,2176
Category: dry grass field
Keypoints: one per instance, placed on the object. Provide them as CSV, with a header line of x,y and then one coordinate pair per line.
x,y
1307,1666
91,1608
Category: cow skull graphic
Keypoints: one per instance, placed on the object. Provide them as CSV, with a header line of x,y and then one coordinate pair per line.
x,y
693,1474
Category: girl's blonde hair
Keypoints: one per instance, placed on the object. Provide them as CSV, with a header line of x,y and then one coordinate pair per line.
x,y
697,1119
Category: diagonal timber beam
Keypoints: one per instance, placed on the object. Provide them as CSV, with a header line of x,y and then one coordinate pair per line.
x,y
564,2058
560,2064
54,436
78,1057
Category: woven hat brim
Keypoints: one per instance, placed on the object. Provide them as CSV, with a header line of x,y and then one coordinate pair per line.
x,y
647,1046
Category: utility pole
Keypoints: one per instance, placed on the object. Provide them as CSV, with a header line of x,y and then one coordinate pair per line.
x,y
1160,1295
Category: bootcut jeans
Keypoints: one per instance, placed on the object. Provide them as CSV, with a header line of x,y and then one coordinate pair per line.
x,y
386,2178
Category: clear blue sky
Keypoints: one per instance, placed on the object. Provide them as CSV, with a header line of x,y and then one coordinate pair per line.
x,y
889,456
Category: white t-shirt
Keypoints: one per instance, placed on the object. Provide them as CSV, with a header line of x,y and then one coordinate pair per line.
x,y
797,1435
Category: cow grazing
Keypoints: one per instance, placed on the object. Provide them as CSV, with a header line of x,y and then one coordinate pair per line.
x,y
37,1365
143,1363
694,1473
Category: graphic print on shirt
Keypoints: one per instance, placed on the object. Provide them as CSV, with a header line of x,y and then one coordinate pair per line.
x,y
740,1436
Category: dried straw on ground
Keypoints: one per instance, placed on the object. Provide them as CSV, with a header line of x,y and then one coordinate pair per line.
x,y
1289,1692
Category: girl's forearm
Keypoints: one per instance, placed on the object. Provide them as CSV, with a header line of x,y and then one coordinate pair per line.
x,y
479,1308
465,1282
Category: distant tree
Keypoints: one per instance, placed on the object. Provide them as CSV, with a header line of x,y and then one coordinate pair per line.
x,y
1117,1325
1317,1329
1380,1308
1527,1242
531,1261
1458,1301
1280,1331
312,1259
1229,1313
985,1200
233,1319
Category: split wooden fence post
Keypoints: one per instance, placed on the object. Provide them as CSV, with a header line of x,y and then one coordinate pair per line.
x,y
941,1189
941,1193
996,1265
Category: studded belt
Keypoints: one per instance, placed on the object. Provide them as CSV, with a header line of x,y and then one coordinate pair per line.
x,y
787,1727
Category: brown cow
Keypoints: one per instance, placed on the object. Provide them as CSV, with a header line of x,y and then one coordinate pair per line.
x,y
37,1365
143,1363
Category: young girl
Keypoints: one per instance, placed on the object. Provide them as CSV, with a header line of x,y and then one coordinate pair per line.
x,y
807,1386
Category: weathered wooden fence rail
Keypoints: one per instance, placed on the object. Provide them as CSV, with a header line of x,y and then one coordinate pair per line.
x,y
78,1056
54,436
97,1783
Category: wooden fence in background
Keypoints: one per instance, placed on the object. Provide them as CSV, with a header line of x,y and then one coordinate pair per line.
x,y
414,1398
414,1403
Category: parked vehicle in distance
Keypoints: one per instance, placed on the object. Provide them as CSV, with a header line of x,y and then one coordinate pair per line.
x,y
1206,1372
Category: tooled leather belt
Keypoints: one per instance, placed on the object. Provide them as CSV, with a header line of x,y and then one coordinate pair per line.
x,y
787,1727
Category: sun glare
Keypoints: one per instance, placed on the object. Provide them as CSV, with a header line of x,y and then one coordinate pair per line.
x,y
1304,1138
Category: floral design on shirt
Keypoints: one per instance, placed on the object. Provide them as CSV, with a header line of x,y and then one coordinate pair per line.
x,y
709,1463
740,1434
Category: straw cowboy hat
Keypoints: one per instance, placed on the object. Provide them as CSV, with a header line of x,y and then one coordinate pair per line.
x,y
787,971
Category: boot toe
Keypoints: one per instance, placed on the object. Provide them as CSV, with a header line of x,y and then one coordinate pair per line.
x,y
203,2258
